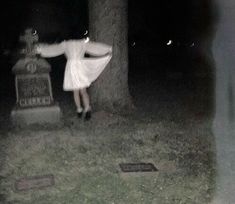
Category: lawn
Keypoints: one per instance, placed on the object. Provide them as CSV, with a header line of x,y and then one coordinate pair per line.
x,y
84,159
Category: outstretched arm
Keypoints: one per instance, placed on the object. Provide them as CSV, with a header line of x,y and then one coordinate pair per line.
x,y
98,49
47,50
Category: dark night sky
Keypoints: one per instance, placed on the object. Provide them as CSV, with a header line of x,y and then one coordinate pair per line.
x,y
181,20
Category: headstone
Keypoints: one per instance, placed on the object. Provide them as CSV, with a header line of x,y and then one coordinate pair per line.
x,y
34,98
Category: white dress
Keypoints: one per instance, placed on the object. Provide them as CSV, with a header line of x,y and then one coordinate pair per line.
x,y
80,72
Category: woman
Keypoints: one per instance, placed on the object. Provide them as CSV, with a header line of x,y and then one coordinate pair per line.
x,y
80,71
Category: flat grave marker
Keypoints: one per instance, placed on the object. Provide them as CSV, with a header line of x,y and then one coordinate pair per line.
x,y
35,182
137,167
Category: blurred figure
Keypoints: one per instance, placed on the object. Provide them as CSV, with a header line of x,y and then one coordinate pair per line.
x,y
224,56
224,120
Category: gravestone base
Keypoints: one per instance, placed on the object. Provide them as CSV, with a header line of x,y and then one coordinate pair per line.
x,y
36,115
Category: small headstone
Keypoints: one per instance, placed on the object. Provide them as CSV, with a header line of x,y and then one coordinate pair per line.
x,y
36,182
137,167
34,98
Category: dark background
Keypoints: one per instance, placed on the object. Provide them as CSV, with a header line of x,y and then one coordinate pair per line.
x,y
187,23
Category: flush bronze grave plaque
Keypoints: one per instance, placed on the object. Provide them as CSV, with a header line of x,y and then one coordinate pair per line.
x,y
35,182
137,167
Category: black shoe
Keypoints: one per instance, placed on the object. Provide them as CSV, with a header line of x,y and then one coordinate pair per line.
x,y
87,115
79,114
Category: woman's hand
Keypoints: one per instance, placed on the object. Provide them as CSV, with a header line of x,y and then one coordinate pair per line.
x,y
37,48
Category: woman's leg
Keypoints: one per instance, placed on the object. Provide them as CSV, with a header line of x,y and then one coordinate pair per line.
x,y
77,101
86,103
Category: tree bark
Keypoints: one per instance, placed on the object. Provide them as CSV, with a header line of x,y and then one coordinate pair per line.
x,y
108,24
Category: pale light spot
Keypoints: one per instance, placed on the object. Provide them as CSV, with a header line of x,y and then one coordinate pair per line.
x,y
35,32
169,42
87,39
192,45
86,32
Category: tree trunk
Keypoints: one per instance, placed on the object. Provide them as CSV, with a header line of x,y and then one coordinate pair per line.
x,y
108,24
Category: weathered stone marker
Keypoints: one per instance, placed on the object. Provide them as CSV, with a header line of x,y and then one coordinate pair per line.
x,y
36,182
34,98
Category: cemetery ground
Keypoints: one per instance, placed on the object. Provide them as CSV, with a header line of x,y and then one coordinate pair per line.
x,y
171,128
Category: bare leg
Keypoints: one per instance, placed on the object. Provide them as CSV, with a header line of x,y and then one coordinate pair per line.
x,y
77,100
86,103
85,99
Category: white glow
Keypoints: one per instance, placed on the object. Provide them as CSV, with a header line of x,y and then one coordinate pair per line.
x,y
133,44
87,39
35,32
169,42
86,32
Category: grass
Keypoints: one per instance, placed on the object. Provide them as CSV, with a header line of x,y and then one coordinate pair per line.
x,y
85,157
